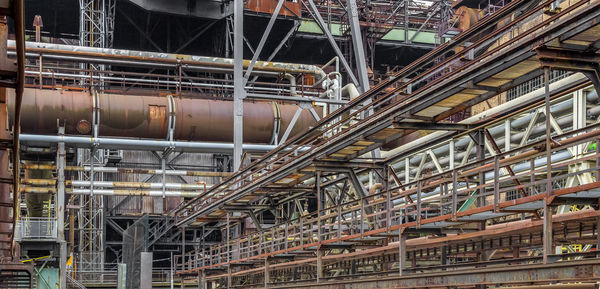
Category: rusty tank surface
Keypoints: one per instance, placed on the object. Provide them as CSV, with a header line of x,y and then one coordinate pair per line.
x,y
148,116
6,212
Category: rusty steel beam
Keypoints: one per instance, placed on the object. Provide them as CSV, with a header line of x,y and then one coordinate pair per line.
x,y
587,271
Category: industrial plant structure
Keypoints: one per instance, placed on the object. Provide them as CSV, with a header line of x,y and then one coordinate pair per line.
x,y
300,144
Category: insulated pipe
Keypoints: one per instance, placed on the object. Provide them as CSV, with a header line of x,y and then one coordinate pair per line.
x,y
157,59
139,144
375,187
432,137
166,82
116,170
149,193
122,143
110,184
41,191
578,77
136,116
292,80
350,91
538,130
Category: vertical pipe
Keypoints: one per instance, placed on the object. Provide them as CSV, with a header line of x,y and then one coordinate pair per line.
x,y
507,136
454,194
451,152
407,170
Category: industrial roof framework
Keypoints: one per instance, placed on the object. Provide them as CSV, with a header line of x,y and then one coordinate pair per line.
x,y
349,200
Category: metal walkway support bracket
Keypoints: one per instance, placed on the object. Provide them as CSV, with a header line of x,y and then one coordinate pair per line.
x,y
587,63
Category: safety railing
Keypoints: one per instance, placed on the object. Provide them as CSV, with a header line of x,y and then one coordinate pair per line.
x,y
36,229
481,186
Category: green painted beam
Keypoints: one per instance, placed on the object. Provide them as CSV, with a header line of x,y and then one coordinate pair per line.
x,y
423,37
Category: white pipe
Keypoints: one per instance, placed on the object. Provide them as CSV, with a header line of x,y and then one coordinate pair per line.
x,y
292,80
171,186
148,193
488,113
139,144
350,91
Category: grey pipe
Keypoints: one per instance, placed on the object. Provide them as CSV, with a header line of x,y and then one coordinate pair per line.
x,y
138,144
558,109
138,57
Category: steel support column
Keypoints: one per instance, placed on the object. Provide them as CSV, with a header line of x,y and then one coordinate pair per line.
x,y
401,251
238,83
267,276
60,210
334,45
357,45
547,241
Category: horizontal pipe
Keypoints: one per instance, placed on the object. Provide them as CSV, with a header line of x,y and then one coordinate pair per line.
x,y
109,184
147,193
35,49
128,170
110,192
138,144
155,117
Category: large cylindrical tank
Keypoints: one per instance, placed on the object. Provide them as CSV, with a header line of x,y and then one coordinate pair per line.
x,y
148,116
5,188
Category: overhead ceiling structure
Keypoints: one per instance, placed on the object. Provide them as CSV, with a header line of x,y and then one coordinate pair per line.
x,y
300,144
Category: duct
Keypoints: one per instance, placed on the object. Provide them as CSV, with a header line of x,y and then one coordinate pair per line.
x,y
136,116
154,59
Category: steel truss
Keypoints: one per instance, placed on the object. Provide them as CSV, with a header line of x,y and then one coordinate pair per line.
x,y
461,177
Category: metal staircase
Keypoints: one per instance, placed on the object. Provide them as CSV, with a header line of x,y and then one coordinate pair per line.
x,y
159,228
74,283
